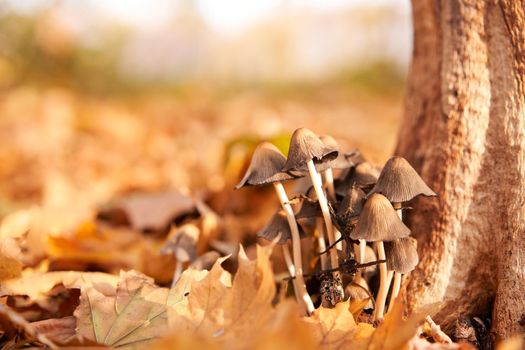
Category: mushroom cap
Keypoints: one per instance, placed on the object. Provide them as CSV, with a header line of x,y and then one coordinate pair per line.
x,y
399,182
362,175
205,261
182,243
278,224
352,203
309,208
343,160
306,146
265,167
379,221
401,255
349,209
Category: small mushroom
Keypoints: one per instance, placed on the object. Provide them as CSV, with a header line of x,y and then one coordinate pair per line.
x,y
265,168
364,175
402,258
278,226
379,222
399,182
307,149
182,244
205,261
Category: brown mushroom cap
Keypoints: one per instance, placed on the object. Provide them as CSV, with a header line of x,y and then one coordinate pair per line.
x,y
205,261
182,243
379,221
349,209
343,160
363,175
306,146
278,224
399,182
352,203
401,255
265,167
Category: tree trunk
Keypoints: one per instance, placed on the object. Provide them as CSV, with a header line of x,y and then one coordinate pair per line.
x,y
464,131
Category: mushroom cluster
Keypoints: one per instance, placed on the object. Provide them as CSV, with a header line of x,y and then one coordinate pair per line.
x,y
346,205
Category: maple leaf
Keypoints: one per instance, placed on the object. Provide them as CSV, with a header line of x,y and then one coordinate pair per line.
x,y
202,310
249,305
395,332
132,314
336,328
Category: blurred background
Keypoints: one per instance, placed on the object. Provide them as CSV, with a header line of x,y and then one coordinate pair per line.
x,y
100,97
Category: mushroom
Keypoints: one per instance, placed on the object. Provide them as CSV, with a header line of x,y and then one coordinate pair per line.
x,y
399,182
347,215
307,148
342,161
379,222
265,168
401,257
310,213
205,261
278,226
363,175
182,244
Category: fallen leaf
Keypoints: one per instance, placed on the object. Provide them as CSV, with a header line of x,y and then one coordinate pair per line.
x,y
204,310
149,212
395,332
37,285
132,315
248,306
335,328
59,330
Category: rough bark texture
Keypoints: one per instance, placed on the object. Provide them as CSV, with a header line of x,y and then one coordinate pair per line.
x,y
464,132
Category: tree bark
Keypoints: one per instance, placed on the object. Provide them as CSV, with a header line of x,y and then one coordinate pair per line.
x,y
464,132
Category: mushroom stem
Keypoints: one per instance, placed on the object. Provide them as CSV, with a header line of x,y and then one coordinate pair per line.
x,y
296,247
288,260
177,273
360,250
291,271
329,181
323,203
321,242
396,286
384,283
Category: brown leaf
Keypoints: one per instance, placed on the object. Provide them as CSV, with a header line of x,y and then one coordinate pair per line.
x,y
336,328
37,285
149,212
131,315
395,332
60,330
204,310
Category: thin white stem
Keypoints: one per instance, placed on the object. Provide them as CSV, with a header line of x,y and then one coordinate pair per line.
x,y
288,260
362,251
323,203
329,181
177,272
396,286
296,248
321,242
291,271
384,283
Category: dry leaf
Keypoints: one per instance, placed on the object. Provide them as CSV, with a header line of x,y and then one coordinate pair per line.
x,y
37,285
203,311
59,330
149,212
132,315
395,333
336,328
